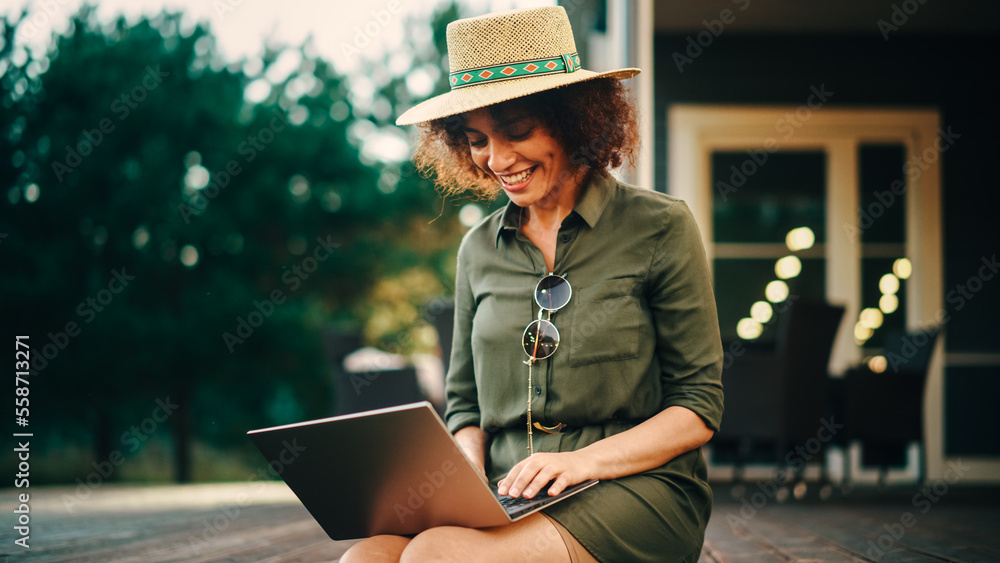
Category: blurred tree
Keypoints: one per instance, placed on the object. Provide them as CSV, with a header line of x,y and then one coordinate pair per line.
x,y
180,228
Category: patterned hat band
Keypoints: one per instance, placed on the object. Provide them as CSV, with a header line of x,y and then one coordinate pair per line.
x,y
561,64
497,54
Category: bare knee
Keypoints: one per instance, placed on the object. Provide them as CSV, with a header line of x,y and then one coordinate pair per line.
x,y
375,549
444,544
530,539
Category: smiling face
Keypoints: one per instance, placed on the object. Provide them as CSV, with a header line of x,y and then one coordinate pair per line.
x,y
519,153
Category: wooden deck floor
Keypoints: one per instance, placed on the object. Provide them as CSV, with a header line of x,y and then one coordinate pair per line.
x,y
263,522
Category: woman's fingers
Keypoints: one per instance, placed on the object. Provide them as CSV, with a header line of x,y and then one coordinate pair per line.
x,y
560,485
518,477
530,476
535,486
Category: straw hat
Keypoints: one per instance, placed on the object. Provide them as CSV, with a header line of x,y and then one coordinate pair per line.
x,y
507,55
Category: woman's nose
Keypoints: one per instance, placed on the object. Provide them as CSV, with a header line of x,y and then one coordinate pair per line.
x,y
501,156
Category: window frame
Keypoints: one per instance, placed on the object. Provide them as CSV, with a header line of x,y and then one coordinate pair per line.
x,y
696,131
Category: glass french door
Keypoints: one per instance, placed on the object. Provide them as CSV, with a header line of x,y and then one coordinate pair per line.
x,y
843,204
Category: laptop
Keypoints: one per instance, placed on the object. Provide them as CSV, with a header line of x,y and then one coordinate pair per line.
x,y
396,470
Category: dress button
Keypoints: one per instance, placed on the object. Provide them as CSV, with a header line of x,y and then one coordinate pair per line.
x,y
565,238
538,390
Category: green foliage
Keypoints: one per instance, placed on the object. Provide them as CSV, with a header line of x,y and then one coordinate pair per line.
x,y
106,144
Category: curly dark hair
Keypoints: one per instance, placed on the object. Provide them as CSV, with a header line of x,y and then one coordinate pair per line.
x,y
594,121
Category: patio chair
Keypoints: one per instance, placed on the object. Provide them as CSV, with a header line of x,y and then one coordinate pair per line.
x,y
376,389
366,387
781,399
885,411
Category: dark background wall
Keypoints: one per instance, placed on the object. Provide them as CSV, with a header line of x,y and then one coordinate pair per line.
x,y
955,74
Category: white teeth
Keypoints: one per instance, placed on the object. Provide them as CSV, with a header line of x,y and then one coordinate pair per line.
x,y
517,178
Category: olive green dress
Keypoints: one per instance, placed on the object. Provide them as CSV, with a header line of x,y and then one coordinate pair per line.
x,y
640,334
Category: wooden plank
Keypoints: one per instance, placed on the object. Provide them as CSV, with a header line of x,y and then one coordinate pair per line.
x,y
799,544
728,543
958,533
158,529
153,524
936,534
167,537
850,530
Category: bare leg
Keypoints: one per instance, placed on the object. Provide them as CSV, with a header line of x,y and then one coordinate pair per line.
x,y
376,549
534,538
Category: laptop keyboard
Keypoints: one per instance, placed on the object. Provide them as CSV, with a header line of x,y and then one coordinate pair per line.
x,y
520,505
511,503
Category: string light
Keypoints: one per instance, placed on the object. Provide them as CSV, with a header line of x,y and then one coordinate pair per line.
x,y
800,239
888,284
902,268
877,364
788,267
749,329
761,312
776,291
888,303
862,333
870,318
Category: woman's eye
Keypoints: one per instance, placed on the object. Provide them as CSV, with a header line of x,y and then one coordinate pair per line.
x,y
477,142
520,136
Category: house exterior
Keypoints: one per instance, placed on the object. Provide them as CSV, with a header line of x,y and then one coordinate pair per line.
x,y
869,129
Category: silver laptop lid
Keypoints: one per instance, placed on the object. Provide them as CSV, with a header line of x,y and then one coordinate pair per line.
x,y
388,471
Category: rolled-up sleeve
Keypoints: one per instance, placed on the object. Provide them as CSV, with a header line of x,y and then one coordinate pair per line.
x,y
462,393
682,303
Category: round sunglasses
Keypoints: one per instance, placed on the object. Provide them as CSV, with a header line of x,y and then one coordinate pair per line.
x,y
541,337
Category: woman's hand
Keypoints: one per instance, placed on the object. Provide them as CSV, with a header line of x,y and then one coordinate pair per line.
x,y
529,477
656,441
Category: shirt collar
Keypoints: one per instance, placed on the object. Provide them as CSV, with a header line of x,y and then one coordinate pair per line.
x,y
590,206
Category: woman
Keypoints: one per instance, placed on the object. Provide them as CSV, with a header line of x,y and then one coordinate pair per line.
x,y
617,375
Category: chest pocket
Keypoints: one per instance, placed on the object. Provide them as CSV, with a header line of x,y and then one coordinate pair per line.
x,y
606,322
